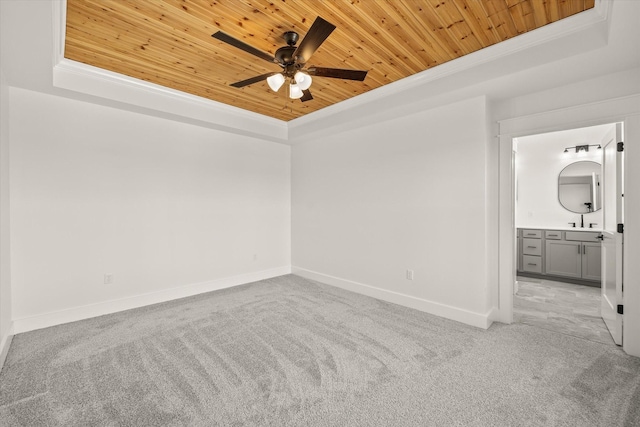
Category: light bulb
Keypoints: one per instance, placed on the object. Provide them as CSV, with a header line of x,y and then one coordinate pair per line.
x,y
275,82
303,80
294,91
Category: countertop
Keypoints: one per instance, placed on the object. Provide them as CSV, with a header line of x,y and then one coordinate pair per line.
x,y
536,227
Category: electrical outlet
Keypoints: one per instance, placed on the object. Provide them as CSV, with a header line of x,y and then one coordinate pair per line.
x,y
108,278
255,257
409,274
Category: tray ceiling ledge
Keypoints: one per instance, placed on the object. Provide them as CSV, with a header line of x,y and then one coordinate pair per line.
x,y
86,79
574,35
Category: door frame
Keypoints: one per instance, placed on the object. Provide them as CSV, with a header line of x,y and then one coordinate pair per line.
x,y
625,110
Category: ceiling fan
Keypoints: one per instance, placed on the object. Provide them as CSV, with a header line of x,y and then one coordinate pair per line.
x,y
292,60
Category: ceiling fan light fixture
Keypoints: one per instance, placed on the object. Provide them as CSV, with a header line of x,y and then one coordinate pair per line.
x,y
294,91
275,82
303,79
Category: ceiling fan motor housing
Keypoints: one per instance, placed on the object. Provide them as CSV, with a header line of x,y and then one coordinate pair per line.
x,y
290,37
284,55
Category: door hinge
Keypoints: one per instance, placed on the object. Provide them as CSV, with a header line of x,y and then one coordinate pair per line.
x,y
620,146
620,309
620,228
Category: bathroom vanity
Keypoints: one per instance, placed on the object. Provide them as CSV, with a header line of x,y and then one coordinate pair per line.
x,y
569,253
560,254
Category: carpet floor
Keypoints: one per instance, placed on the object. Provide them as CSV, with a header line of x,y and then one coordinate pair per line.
x,y
291,352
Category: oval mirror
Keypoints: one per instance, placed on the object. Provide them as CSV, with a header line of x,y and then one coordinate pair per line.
x,y
579,187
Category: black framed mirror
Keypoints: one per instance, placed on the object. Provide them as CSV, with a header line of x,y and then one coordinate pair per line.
x,y
579,188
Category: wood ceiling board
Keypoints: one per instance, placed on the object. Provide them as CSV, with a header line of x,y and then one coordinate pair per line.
x,y
168,42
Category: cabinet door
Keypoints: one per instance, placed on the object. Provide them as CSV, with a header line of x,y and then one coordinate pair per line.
x,y
563,258
591,261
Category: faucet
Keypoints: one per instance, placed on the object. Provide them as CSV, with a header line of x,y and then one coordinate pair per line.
x,y
581,221
573,224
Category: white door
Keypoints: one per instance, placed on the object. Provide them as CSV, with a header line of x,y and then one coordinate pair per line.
x,y
611,237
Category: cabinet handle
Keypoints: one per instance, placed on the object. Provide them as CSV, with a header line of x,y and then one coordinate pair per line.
x,y
530,263
553,235
531,234
532,247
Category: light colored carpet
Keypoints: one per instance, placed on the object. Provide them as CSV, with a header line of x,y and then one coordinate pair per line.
x,y
288,351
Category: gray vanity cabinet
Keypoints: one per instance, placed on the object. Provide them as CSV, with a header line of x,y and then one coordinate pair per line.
x,y
564,258
559,253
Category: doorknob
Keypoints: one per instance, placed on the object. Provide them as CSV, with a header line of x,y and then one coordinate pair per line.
x,y
600,236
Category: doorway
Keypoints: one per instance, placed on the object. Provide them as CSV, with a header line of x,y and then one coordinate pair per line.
x,y
625,110
558,219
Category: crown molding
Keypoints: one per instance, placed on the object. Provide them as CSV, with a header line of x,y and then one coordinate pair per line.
x,y
152,98
86,79
576,34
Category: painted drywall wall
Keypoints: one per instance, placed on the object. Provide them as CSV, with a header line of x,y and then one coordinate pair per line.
x,y
158,204
410,193
5,264
539,161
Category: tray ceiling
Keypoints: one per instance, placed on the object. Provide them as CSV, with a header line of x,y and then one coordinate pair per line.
x,y
169,43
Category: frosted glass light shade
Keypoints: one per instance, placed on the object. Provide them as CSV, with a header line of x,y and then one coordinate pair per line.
x,y
294,91
275,82
303,80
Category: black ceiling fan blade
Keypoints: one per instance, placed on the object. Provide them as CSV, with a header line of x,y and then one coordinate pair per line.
x,y
306,95
243,46
252,80
318,33
338,73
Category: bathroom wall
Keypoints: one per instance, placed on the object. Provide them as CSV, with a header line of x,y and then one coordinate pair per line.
x,y
539,161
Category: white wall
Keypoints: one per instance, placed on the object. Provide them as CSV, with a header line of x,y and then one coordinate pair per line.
x,y
539,161
161,205
5,264
408,193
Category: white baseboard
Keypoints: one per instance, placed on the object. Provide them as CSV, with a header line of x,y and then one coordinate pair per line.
x,y
5,343
493,315
460,315
45,320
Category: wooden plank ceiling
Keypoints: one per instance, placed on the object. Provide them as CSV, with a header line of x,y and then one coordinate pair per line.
x,y
168,42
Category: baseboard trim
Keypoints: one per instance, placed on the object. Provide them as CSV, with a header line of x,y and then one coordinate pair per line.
x,y
46,320
5,343
453,313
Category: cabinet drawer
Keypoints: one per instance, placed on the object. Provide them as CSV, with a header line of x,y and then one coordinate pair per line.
x,y
553,235
532,263
534,234
531,246
582,236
